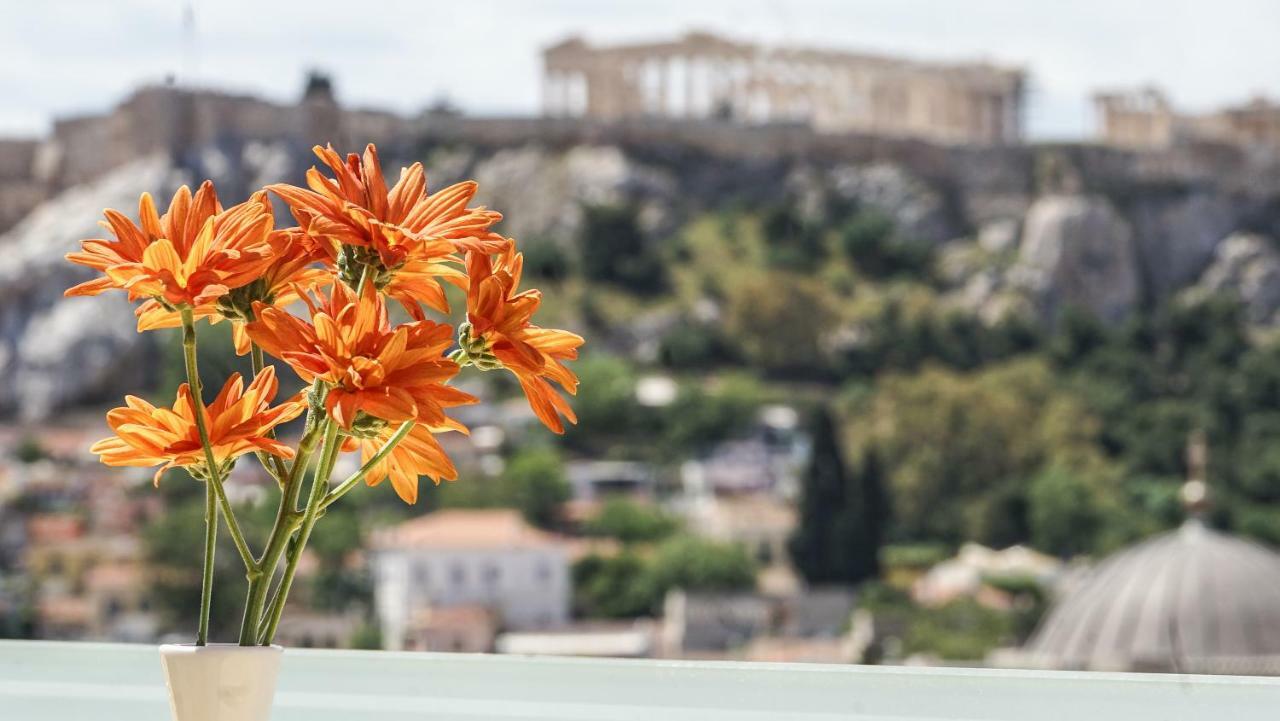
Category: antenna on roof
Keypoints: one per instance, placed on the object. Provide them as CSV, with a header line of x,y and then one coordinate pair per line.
x,y
1195,492
190,56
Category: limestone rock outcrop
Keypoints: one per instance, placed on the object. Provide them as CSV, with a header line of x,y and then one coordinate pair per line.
x,y
1077,251
541,193
917,210
1247,266
55,351
1176,236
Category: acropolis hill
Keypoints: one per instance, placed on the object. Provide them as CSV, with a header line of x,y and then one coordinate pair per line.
x,y
1160,204
699,92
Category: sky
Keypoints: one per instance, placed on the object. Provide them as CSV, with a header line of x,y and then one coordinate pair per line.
x,y
67,57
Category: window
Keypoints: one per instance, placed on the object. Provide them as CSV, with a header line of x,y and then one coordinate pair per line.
x,y
492,574
458,574
544,572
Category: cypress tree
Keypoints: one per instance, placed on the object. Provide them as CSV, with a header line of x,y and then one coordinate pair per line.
x,y
841,514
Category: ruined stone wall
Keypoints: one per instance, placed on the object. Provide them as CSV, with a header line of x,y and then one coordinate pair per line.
x,y
1145,119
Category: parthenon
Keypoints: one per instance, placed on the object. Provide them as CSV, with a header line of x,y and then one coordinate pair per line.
x,y
703,76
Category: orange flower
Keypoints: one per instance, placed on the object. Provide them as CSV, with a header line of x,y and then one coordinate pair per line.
x,y
405,237
377,374
292,255
239,421
418,454
191,256
499,331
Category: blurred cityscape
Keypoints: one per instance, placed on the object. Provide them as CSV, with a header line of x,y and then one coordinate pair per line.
x,y
869,377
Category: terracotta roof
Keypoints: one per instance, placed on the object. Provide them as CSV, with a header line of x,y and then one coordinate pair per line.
x,y
452,617
66,610
465,529
798,650
113,576
54,528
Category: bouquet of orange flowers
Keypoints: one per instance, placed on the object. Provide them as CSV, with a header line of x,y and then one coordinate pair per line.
x,y
377,388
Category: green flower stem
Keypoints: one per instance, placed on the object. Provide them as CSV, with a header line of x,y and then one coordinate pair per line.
x,y
285,524
214,492
273,464
210,507
355,478
319,486
364,278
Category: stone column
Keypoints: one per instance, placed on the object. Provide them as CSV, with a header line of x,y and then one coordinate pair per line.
x,y
551,83
688,86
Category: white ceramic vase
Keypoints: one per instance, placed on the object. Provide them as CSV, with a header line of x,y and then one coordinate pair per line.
x,y
220,682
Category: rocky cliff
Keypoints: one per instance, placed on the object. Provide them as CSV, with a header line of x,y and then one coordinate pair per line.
x,y
57,351
1030,230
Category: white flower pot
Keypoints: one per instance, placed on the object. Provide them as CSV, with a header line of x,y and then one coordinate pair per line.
x,y
220,682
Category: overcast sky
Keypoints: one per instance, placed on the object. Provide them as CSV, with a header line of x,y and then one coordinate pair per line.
x,y
60,57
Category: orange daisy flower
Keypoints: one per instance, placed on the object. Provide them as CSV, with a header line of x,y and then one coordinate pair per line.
x,y
407,238
239,421
191,256
376,374
498,333
418,454
293,255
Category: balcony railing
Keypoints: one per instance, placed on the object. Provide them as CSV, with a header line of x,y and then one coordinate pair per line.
x,y
48,681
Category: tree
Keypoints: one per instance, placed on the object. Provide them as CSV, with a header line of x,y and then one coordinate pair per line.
x,y
612,586
793,243
780,320
334,586
972,440
535,483
701,415
870,242
614,250
631,522
1069,512
842,515
697,564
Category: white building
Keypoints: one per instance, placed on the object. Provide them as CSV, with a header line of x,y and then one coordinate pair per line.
x,y
487,558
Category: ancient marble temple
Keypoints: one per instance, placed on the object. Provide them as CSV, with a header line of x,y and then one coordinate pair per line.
x,y
1145,119
702,76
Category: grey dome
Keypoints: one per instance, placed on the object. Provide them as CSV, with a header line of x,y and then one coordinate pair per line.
x,y
1192,600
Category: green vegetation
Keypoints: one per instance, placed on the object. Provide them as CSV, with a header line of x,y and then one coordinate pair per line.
x,y
1068,436
533,482
635,581
841,513
631,522
615,251
29,450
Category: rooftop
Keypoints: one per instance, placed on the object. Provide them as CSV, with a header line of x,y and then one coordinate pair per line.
x,y
465,529
1190,599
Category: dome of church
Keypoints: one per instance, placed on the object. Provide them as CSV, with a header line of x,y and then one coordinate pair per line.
x,y
1193,600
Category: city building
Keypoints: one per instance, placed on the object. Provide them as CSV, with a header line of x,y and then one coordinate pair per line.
x,y
731,625
460,629
593,480
488,558
1193,600
968,574
704,76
